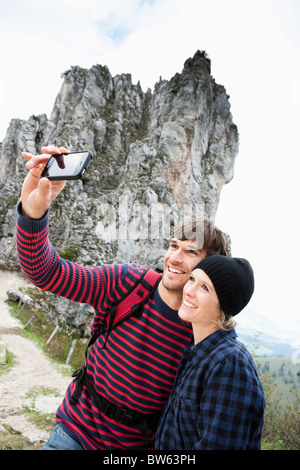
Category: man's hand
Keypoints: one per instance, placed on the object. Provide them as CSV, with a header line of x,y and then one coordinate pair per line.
x,y
38,193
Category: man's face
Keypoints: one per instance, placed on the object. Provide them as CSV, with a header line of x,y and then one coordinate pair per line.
x,y
181,257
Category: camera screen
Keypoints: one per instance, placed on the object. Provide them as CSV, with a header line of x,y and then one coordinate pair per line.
x,y
65,164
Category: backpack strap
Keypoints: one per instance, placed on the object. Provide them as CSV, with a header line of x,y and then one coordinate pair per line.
x,y
127,306
134,299
122,414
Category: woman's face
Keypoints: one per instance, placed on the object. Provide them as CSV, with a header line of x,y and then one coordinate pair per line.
x,y
200,304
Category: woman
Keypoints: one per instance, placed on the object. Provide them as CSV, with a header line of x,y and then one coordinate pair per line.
x,y
217,401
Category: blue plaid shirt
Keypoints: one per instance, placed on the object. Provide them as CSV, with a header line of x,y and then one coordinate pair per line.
x,y
217,401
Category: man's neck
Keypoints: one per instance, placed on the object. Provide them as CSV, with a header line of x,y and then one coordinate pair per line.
x,y
172,298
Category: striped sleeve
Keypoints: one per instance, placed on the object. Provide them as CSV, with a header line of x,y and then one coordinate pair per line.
x,y
99,286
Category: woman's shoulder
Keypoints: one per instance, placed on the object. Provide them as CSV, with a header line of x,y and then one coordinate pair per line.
x,y
229,350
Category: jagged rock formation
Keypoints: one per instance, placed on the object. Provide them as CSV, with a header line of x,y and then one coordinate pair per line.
x,y
157,155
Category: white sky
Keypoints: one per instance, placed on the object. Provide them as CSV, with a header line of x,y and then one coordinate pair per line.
x,y
254,48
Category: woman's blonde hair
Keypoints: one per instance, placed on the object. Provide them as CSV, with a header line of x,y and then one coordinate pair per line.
x,y
226,322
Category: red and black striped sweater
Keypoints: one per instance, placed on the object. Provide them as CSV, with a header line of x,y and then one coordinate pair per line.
x,y
138,366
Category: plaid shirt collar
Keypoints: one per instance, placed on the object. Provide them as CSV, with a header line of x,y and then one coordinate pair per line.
x,y
209,343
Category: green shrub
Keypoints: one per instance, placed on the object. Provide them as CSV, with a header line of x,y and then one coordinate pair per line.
x,y
282,418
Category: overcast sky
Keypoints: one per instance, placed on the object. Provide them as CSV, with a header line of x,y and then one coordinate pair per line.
x,y
254,47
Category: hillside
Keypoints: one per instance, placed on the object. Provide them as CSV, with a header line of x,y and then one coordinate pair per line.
x,y
284,373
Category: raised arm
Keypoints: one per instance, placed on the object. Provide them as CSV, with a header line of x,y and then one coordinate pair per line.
x,y
39,261
99,286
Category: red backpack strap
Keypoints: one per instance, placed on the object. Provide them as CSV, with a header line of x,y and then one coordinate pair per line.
x,y
119,312
134,299
137,297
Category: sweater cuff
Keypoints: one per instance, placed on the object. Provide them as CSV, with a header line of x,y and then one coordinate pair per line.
x,y
31,225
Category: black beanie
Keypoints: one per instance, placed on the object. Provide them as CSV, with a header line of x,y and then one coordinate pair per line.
x,y
232,279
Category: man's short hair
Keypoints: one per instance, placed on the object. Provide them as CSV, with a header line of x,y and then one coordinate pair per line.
x,y
209,238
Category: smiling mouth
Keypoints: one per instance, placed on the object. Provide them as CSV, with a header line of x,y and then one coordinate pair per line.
x,y
175,270
187,304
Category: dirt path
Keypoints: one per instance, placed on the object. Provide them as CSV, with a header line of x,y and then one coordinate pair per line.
x,y
31,371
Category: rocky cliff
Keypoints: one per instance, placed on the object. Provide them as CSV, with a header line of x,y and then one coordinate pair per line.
x,y
158,156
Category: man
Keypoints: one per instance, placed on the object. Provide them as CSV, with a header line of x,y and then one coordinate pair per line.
x,y
136,369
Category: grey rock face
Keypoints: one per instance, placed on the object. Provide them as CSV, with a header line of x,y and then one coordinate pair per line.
x,y
158,156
